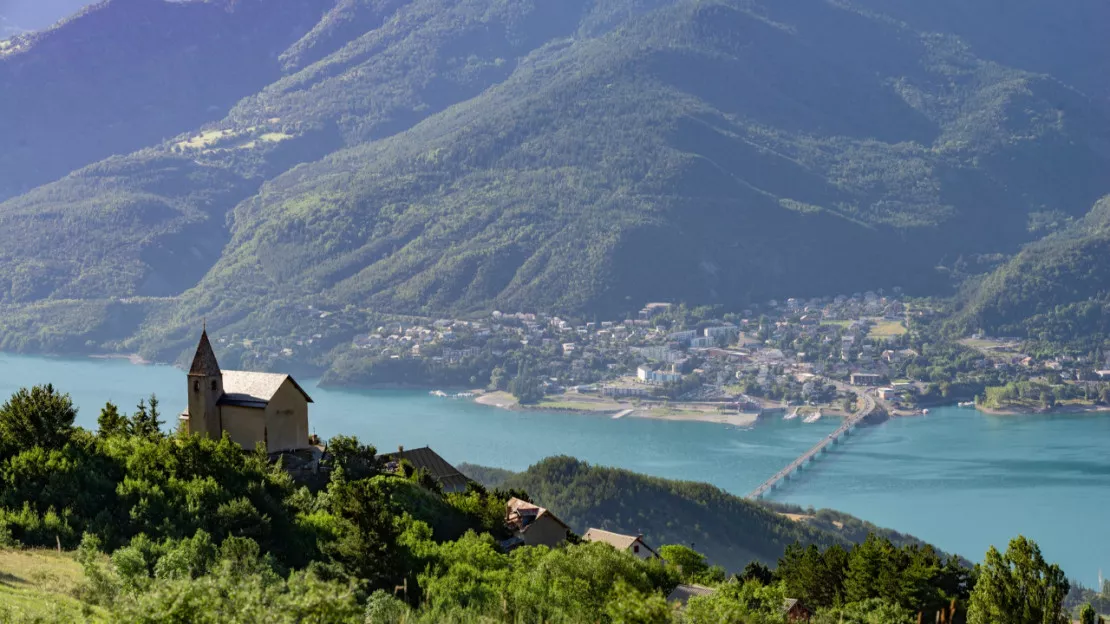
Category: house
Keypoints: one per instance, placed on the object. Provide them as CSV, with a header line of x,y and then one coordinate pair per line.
x,y
682,336
726,331
886,394
701,342
795,611
533,525
632,543
424,458
652,309
625,391
865,379
683,593
647,375
251,407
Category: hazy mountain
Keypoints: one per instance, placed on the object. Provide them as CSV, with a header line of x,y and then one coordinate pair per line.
x,y
8,28
584,157
131,73
38,14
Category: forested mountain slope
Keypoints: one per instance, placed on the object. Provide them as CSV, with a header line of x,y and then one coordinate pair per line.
x,y
582,156
1056,289
730,530
130,73
1044,37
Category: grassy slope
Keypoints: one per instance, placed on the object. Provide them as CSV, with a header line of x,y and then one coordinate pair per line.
x,y
41,584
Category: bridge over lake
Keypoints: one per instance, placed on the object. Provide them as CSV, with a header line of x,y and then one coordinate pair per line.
x,y
867,408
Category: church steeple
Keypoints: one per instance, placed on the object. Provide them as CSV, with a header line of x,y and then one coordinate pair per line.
x,y
206,387
204,362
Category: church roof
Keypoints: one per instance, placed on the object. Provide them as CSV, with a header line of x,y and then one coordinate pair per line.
x,y
250,389
204,362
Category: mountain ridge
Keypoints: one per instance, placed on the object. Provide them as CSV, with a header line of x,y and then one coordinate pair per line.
x,y
442,158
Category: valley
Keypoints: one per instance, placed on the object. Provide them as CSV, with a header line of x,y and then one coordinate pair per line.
x,y
622,311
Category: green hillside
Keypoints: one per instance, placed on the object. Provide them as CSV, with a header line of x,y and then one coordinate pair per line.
x,y
184,528
1056,289
435,157
732,531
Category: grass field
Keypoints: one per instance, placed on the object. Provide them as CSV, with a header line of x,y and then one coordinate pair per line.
x,y
206,139
887,329
40,586
997,349
571,401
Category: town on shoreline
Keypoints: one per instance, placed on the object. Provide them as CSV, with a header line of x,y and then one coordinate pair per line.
x,y
804,357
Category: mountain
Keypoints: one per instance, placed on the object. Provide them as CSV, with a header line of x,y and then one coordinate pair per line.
x,y
435,157
8,28
38,14
128,74
1056,289
1040,37
731,530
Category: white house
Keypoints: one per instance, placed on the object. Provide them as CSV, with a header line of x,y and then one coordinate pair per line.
x,y
724,330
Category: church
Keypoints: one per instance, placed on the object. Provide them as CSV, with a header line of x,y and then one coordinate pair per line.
x,y
251,407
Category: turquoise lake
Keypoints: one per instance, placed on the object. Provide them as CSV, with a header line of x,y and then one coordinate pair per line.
x,y
957,478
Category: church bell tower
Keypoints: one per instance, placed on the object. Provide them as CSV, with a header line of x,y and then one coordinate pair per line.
x,y
206,386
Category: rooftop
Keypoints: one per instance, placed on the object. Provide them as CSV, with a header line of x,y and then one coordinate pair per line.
x,y
426,459
616,540
251,389
683,593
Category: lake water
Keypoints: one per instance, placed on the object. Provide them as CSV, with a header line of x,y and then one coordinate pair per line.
x,y
957,478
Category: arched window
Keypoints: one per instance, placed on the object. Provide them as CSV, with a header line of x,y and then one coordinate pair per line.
x,y
213,385
196,385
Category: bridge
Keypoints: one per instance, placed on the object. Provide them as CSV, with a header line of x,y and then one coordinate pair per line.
x,y
866,409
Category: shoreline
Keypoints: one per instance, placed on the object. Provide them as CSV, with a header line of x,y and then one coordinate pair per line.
x,y
1029,411
662,411
133,358
617,410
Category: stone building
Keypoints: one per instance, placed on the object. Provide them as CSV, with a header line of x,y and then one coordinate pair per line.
x,y
251,407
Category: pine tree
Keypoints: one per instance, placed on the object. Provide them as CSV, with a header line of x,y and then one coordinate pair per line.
x,y
1018,587
40,416
111,422
145,421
